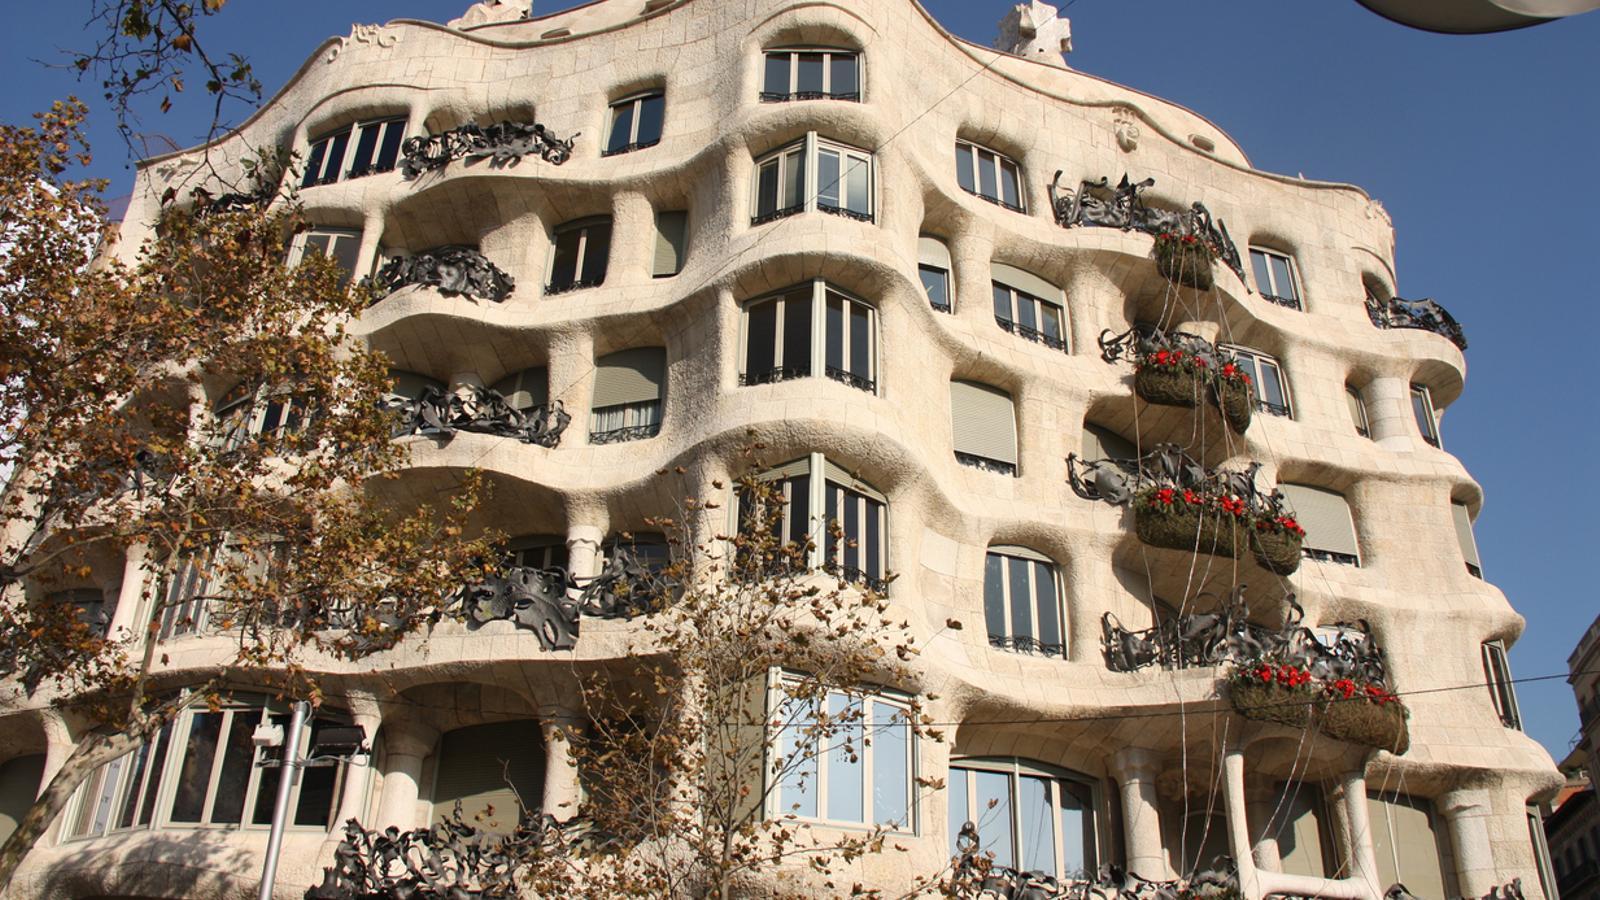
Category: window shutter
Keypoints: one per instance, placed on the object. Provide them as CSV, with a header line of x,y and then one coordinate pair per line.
x,y
1027,282
1300,838
1469,545
672,228
630,376
984,421
839,476
474,765
1325,516
801,466
525,389
1021,553
1405,844
933,252
1103,443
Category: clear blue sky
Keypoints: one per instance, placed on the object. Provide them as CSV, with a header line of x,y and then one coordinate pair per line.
x,y
1482,149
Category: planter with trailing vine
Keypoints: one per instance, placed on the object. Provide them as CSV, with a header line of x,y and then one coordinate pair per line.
x,y
1286,694
1276,542
1233,395
1179,519
1184,260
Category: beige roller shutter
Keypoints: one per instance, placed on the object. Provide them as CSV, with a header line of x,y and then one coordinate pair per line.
x,y
1299,827
933,252
1406,846
1325,516
525,389
1021,553
474,766
838,475
800,466
1469,544
672,229
1024,281
631,376
1103,443
983,421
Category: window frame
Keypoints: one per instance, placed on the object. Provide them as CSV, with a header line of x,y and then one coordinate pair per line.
x,y
1255,362
243,414
1001,161
580,227
1502,687
1040,304
302,243
1271,291
821,474
634,420
349,139
794,93
812,146
1358,411
941,267
1425,415
636,103
816,767
1033,645
822,292
1015,768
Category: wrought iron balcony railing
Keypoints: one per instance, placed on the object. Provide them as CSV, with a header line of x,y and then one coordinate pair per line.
x,y
775,215
1286,302
505,144
550,602
856,381
478,410
779,97
1027,645
453,270
1038,337
629,148
562,287
986,464
1424,314
996,201
856,575
844,212
1273,409
1098,204
628,433
774,375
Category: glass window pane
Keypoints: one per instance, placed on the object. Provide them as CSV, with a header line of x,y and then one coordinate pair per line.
x,y
1010,185
317,790
1044,581
810,73
345,249
936,282
1282,280
107,793
1025,312
891,766
1002,302
846,760
393,135
798,794
835,332
157,765
767,188
238,757
776,80
335,157
1050,319
1358,413
1258,265
1077,829
828,177
366,146
860,340
761,336
992,792
794,188
830,515
621,127
194,773
318,243
964,167
564,270
852,530
959,813
651,111
130,801
1272,384
797,332
1420,410
987,176
1021,598
800,508
314,164
872,541
597,253
857,186
842,74
1037,825
994,599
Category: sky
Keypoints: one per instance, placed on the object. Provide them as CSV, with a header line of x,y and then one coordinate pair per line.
x,y
1480,147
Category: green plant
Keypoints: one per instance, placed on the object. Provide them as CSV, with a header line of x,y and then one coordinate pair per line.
x,y
1185,259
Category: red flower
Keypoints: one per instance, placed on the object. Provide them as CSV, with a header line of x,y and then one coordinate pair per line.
x,y
1165,495
1232,504
1264,673
1229,370
1344,686
1190,497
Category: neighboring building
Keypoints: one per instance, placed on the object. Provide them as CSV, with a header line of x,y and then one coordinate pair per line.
x,y
1583,668
830,224
1573,832
1477,16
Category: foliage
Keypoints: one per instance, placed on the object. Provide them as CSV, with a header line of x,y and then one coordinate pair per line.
x,y
1282,692
1185,259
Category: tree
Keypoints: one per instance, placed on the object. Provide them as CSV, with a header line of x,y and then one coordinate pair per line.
x,y
105,370
749,667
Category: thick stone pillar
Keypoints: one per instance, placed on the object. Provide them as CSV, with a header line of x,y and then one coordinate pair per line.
x,y
1135,770
405,745
1466,813
1389,417
1363,861
562,791
125,615
1261,801
584,543
367,261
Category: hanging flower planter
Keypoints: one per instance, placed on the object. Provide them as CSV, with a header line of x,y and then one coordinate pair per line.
x,y
1185,260
1180,519
1286,694
1235,397
1168,385
1379,723
1281,695
1276,544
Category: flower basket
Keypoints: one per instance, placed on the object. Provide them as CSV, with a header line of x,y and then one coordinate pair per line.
x,y
1168,386
1273,702
1237,401
1184,260
1277,550
1182,526
1361,721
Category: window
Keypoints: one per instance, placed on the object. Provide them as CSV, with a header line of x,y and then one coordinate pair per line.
x,y
989,175
1028,306
1301,823
1022,602
1275,277
525,390
214,775
843,758
1266,374
475,765
635,123
809,328
984,427
1405,844
850,536
933,265
672,230
1422,409
377,148
185,596
90,603
1462,518
413,385
811,74
537,551
1541,850
20,778
649,549
1032,817
580,253
1330,529
1101,443
628,388
343,246
813,174
245,412
1358,411
1497,675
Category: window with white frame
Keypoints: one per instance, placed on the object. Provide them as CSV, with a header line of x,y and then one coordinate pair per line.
x,y
635,123
1033,817
933,266
1028,306
843,758
989,175
1461,517
247,412
537,551
844,518
650,549
342,245
204,770
1422,410
376,149
1497,675
579,254
813,174
806,73
1275,279
1358,411
629,386
1266,374
1022,602
809,328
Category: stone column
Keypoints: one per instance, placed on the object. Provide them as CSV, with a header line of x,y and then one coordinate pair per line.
x,y
367,261
405,745
583,549
1363,862
562,790
971,250
59,744
633,239
125,615
1261,801
1135,770
1389,418
1466,813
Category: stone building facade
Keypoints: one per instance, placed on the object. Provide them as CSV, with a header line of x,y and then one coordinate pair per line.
x,y
884,252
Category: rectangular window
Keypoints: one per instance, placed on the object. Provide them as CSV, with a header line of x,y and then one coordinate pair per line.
x,y
628,390
1330,528
780,184
1266,374
1405,844
989,175
1275,277
813,174
807,74
672,237
343,246
850,538
1029,316
1358,411
843,758
983,427
854,545
933,266
1029,817
1497,675
1022,602
1422,410
783,340
376,149
1462,518
579,256
635,123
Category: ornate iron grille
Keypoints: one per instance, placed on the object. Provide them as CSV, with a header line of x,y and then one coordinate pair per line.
x,y
777,214
1424,314
454,270
1286,302
986,464
567,286
1038,337
774,375
478,410
505,144
628,433
844,212
779,97
996,201
629,148
856,381
1098,204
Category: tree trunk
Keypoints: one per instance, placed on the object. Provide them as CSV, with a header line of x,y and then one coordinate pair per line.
x,y
94,752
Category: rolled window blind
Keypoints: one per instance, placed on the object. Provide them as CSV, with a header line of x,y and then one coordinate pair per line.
x,y
672,229
933,252
630,376
838,475
984,421
1103,443
1024,281
474,765
1405,844
525,389
1469,544
1325,516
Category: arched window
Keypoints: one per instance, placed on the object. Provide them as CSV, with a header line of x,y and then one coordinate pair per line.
x,y
1022,601
537,551
1358,411
844,517
474,765
1031,816
933,266
1028,306
376,149
987,174
579,254
813,173
1266,373
810,328
1405,843
1275,277
635,122
805,73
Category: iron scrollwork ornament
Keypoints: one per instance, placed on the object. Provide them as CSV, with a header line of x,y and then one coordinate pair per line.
x,y
478,410
454,270
978,877
1098,204
1424,314
504,144
1117,480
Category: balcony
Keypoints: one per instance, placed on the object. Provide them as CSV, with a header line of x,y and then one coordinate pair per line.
x,y
477,410
453,270
505,144
1424,315
1098,204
